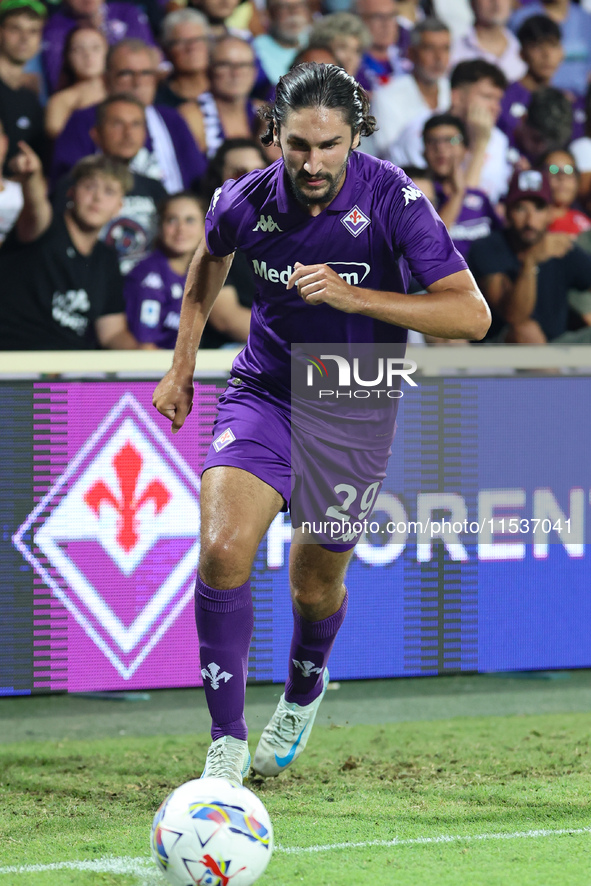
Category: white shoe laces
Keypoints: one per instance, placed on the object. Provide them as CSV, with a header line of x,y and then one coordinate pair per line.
x,y
285,726
224,759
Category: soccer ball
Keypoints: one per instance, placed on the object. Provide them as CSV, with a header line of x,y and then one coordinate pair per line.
x,y
212,833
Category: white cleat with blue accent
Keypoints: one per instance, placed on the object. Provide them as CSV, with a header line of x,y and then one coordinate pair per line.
x,y
286,735
227,757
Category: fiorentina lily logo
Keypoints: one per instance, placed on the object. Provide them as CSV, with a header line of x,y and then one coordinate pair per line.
x,y
355,221
118,536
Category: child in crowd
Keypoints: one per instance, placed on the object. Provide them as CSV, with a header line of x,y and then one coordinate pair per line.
x,y
154,288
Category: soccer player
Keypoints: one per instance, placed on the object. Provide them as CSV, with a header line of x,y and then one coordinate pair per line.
x,y
321,204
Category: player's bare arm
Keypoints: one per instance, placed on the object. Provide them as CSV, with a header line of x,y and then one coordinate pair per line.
x,y
453,307
207,273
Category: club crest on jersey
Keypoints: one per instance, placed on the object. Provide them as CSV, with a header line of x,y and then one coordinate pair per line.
x,y
223,440
355,221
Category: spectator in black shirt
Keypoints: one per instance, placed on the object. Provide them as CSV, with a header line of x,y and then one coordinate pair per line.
x,y
21,28
525,272
62,289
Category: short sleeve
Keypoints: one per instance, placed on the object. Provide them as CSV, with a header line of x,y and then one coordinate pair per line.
x,y
221,222
416,230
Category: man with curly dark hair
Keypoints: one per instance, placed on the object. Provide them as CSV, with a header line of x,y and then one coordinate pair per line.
x,y
333,236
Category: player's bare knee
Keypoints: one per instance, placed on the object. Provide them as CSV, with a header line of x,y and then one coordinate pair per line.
x,y
316,601
224,562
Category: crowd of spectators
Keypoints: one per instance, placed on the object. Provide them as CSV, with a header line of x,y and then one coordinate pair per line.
x,y
120,118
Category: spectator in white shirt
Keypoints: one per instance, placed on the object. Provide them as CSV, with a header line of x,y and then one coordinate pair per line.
x,y
476,91
491,39
396,104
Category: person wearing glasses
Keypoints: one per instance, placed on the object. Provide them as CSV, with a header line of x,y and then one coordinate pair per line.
x,y
228,111
117,21
476,91
185,36
465,210
564,178
170,153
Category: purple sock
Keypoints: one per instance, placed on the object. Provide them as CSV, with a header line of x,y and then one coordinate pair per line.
x,y
224,626
311,644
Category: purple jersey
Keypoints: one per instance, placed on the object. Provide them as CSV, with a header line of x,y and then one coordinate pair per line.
x,y
121,20
377,231
153,295
476,219
170,154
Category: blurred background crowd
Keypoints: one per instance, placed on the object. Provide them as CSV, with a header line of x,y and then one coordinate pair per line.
x,y
119,119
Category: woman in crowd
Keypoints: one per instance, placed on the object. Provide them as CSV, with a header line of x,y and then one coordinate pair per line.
x,y
564,179
185,36
154,288
82,81
347,37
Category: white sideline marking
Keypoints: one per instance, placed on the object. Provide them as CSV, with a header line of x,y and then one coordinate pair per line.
x,y
128,865
107,865
419,841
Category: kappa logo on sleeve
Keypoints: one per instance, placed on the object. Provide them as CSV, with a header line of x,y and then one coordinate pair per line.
x,y
355,221
411,194
224,439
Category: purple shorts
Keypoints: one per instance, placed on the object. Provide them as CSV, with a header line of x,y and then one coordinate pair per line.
x,y
329,488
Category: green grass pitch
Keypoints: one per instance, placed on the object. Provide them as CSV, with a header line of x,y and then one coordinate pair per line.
x,y
479,801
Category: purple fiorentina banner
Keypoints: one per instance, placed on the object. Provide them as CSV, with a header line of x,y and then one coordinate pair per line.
x,y
114,536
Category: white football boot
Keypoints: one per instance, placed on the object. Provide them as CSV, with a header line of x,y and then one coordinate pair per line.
x,y
286,734
229,758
